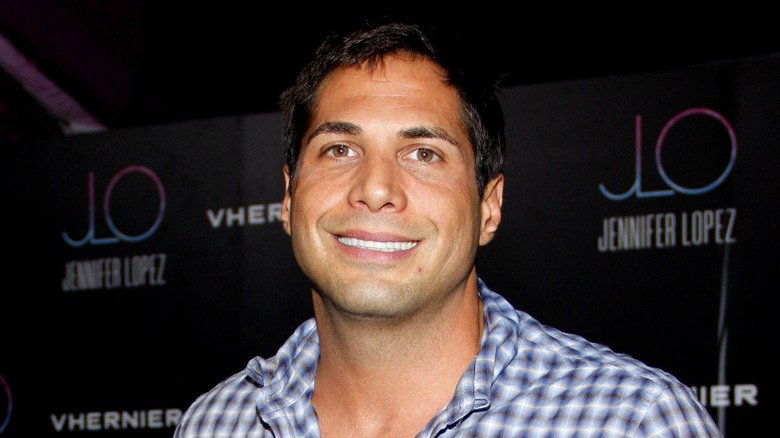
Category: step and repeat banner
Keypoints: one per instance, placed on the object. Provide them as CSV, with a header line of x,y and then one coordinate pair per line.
x,y
144,266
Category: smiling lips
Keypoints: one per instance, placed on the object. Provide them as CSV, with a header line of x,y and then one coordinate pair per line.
x,y
373,245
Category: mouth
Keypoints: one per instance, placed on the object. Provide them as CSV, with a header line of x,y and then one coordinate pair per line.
x,y
374,245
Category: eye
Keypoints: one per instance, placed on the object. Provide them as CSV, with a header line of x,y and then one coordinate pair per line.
x,y
425,154
340,151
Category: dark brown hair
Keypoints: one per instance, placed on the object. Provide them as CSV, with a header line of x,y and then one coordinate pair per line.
x,y
482,115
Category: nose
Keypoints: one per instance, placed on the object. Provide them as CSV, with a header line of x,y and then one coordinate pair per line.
x,y
377,185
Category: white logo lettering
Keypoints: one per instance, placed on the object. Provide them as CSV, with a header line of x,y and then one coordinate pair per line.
x,y
116,420
256,214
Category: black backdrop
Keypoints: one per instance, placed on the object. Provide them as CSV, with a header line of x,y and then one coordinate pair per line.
x,y
144,266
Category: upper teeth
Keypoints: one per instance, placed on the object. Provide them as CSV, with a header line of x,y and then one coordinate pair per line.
x,y
377,246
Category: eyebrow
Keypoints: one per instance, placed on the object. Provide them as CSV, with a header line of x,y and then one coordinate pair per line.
x,y
410,133
428,132
334,128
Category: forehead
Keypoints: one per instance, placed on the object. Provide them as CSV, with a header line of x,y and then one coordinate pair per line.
x,y
400,89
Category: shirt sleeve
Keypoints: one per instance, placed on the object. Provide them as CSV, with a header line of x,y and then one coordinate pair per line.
x,y
676,413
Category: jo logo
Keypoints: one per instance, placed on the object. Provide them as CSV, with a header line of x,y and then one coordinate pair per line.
x,y
5,411
675,186
110,222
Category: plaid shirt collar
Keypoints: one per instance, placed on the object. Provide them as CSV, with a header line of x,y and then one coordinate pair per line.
x,y
287,381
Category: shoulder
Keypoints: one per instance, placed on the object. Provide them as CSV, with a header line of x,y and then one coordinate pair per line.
x,y
547,375
235,406
543,352
225,405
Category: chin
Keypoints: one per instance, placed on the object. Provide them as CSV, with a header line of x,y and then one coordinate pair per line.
x,y
372,299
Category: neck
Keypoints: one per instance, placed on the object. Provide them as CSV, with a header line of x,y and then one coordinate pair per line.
x,y
371,370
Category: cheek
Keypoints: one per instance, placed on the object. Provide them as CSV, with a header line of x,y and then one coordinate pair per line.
x,y
453,209
313,199
308,196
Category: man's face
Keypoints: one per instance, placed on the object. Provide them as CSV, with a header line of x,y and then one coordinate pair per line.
x,y
384,212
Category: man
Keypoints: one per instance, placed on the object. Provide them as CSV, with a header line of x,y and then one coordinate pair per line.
x,y
394,178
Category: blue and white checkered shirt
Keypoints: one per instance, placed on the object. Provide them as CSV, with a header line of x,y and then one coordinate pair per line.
x,y
527,380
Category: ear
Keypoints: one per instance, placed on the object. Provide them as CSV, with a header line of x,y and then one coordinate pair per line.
x,y
492,199
286,201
